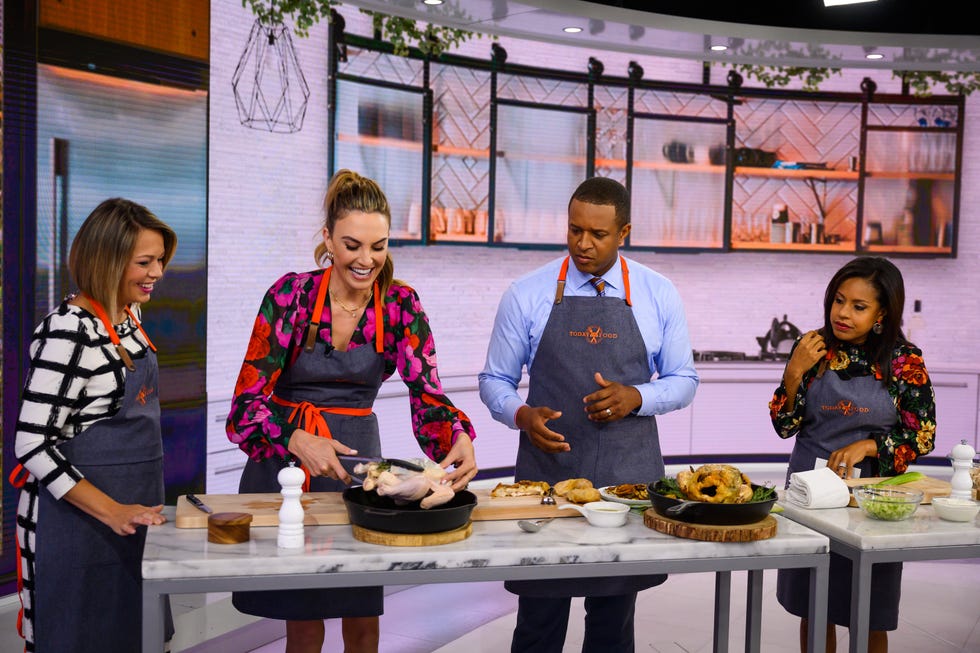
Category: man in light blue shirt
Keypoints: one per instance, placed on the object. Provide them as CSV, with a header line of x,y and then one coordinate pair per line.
x,y
605,344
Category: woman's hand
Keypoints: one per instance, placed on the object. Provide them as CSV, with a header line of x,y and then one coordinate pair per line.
x,y
463,456
319,455
122,518
808,351
844,460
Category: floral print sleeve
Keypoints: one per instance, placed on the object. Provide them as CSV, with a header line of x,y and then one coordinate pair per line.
x,y
915,434
276,340
911,390
278,329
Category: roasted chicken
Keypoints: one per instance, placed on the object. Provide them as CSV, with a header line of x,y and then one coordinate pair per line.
x,y
715,483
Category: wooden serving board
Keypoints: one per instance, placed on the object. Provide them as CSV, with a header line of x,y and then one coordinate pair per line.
x,y
324,508
760,530
930,487
412,539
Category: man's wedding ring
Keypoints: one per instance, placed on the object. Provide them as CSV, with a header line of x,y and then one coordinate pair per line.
x,y
609,412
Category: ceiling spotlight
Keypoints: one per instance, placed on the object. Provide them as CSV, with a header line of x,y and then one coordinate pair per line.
x,y
637,32
571,29
837,3
432,2
719,47
874,55
596,26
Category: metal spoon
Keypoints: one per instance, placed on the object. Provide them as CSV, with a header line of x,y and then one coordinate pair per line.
x,y
533,525
549,497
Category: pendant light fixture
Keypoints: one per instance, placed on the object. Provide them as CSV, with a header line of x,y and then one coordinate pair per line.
x,y
270,90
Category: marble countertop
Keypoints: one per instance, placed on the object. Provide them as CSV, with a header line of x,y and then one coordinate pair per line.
x,y
185,553
852,527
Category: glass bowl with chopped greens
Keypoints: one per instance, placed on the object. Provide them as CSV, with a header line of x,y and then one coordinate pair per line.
x,y
887,503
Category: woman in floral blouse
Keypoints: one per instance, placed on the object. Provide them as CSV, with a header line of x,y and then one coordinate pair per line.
x,y
322,344
856,394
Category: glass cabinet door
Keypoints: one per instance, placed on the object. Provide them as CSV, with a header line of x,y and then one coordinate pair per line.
x,y
910,184
540,160
379,134
460,155
678,182
795,181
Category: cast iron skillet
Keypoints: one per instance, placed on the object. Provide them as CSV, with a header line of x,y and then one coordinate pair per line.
x,y
367,509
720,514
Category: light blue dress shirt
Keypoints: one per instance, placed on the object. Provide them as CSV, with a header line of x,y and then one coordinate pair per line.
x,y
523,313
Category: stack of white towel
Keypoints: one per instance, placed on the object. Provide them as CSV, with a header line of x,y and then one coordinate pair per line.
x,y
818,488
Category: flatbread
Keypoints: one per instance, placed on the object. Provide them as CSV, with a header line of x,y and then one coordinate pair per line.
x,y
520,489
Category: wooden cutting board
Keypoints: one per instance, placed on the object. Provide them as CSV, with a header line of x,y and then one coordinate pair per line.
x,y
760,530
930,487
324,508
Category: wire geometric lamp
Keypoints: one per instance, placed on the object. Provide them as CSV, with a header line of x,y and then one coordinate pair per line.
x,y
270,90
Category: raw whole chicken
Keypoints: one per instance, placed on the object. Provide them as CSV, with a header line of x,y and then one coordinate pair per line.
x,y
404,485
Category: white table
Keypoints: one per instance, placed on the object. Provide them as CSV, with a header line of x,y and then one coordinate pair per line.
x,y
182,561
867,541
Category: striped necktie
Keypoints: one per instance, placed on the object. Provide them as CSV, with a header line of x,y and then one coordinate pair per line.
x,y
599,285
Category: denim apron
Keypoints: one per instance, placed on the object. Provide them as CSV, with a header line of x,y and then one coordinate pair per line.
x,y
585,335
839,412
338,387
89,577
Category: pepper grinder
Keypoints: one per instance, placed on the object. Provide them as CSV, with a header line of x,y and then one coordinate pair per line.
x,y
291,513
962,459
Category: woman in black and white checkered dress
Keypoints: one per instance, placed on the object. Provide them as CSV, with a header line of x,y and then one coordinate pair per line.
x,y
89,443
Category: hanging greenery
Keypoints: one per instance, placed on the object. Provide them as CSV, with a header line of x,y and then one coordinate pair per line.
x,y
403,33
772,76
921,82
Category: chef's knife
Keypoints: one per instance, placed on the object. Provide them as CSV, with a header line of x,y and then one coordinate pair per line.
x,y
197,503
397,462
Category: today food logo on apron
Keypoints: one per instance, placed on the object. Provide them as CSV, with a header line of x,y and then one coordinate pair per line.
x,y
593,334
144,394
845,408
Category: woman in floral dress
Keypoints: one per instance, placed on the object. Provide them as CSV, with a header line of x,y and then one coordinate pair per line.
x,y
322,344
855,393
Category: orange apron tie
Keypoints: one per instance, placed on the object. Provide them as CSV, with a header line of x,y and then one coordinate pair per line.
x,y
560,291
113,336
18,477
309,417
321,296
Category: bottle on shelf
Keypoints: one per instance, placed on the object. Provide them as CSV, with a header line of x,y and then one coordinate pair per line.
x,y
916,324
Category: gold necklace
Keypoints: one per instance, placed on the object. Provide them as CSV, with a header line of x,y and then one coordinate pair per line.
x,y
352,311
